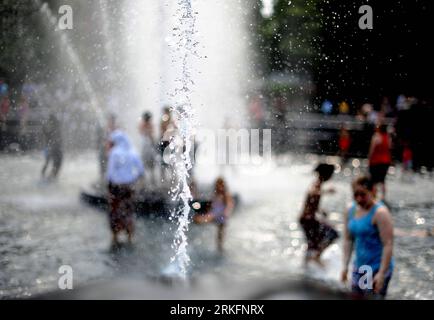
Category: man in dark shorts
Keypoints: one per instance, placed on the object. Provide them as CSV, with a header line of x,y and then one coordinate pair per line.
x,y
121,210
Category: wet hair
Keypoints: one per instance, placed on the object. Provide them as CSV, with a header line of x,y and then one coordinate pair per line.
x,y
364,181
220,181
325,171
146,116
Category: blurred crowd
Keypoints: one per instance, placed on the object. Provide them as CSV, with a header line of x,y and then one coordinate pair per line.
x,y
408,119
26,108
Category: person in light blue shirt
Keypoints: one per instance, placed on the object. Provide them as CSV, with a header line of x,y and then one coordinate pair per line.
x,y
124,168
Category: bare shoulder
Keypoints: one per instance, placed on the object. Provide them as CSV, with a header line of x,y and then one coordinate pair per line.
x,y
349,206
229,197
314,190
383,214
383,210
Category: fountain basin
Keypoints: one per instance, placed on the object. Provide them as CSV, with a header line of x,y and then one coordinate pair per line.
x,y
152,202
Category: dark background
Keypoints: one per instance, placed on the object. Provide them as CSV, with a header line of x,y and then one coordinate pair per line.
x,y
395,57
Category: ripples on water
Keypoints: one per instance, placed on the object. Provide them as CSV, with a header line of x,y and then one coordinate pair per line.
x,y
44,226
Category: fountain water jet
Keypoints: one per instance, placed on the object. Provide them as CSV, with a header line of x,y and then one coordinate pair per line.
x,y
186,123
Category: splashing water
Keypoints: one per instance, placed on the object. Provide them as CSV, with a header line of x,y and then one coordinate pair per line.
x,y
182,144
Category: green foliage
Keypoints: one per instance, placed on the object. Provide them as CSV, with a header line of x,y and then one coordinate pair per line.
x,y
23,40
289,39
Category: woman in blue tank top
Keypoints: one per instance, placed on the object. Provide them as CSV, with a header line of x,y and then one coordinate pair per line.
x,y
368,228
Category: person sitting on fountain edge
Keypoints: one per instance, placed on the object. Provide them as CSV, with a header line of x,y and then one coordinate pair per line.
x,y
124,168
319,234
222,205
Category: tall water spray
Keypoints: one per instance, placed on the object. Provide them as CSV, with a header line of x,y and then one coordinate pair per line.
x,y
184,33
147,58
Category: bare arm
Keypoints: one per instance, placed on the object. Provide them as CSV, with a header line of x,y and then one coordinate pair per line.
x,y
229,206
383,220
374,141
384,223
347,247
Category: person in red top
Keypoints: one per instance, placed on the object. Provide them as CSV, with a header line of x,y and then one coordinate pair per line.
x,y
344,143
380,157
407,161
